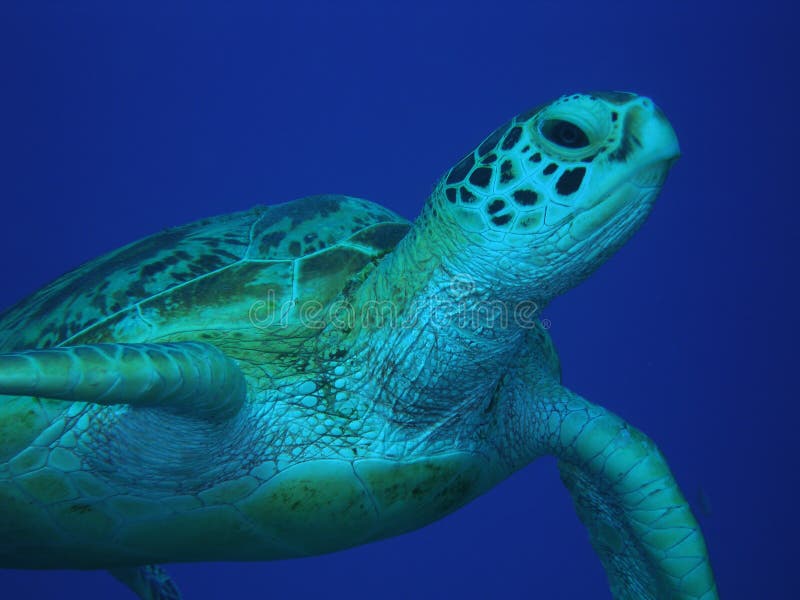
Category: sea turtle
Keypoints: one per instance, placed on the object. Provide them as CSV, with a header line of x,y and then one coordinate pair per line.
x,y
309,376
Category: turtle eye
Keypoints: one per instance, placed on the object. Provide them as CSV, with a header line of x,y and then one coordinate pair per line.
x,y
564,133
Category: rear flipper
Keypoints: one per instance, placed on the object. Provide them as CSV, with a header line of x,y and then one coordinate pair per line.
x,y
150,582
639,522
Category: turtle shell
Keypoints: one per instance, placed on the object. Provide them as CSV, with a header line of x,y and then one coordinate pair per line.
x,y
227,273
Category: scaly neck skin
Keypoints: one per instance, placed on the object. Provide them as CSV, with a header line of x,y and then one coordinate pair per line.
x,y
532,211
451,330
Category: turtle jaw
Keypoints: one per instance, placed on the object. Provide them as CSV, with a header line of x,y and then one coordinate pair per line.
x,y
632,193
636,195
582,242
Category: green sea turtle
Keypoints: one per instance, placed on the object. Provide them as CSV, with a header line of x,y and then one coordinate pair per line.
x,y
306,377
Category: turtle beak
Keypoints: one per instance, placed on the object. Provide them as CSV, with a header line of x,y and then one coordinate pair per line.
x,y
656,148
657,133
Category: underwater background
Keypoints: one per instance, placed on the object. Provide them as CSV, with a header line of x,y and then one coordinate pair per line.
x,y
120,120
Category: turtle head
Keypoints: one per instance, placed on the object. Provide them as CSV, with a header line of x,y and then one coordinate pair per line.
x,y
549,196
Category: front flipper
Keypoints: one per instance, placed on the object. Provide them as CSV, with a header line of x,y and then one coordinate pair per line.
x,y
150,582
186,377
639,522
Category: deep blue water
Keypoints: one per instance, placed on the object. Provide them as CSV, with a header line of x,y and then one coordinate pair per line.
x,y
119,122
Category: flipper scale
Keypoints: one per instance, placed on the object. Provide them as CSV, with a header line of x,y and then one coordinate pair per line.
x,y
187,377
639,523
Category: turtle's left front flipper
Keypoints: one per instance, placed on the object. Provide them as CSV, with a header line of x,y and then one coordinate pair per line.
x,y
186,377
639,522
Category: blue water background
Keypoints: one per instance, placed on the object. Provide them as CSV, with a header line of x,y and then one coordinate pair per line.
x,y
118,122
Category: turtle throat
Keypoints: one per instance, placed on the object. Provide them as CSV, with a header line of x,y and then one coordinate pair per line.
x,y
444,334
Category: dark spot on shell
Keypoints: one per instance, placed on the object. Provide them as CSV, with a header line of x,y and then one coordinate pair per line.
x,y
271,240
206,263
225,254
155,268
383,237
299,211
209,241
550,169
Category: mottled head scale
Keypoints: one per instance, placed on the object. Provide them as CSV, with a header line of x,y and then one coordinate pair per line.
x,y
567,182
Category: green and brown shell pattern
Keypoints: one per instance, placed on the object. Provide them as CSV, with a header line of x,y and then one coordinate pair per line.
x,y
207,275
236,281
